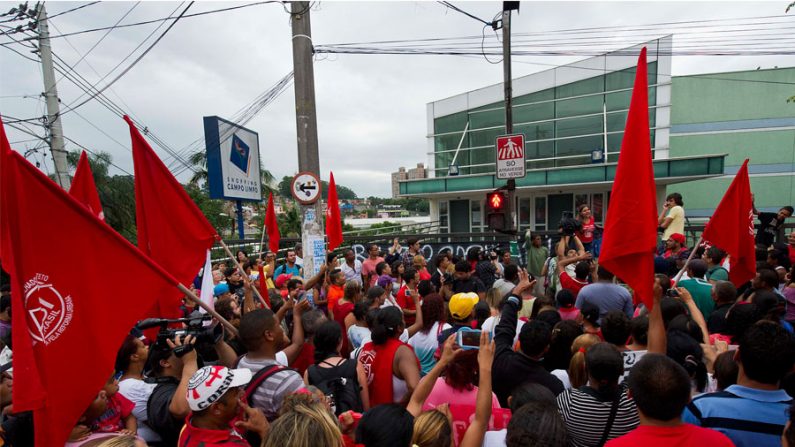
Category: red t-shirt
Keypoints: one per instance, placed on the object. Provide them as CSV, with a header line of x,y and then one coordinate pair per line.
x,y
403,299
685,434
110,421
424,275
335,292
573,284
586,233
201,437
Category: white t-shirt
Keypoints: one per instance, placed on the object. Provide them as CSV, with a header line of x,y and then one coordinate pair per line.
x,y
425,346
137,391
563,376
356,334
491,323
354,272
495,438
281,358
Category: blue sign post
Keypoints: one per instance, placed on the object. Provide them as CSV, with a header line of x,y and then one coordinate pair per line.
x,y
241,231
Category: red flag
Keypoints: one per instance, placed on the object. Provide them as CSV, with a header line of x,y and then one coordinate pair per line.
x,y
272,226
731,228
171,228
66,313
83,188
333,217
630,233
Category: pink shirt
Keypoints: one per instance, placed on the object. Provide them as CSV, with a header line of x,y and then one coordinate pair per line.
x,y
569,314
368,268
443,393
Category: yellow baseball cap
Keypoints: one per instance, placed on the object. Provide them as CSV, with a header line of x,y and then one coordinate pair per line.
x,y
461,304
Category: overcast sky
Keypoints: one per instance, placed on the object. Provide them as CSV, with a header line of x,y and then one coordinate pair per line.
x,y
371,108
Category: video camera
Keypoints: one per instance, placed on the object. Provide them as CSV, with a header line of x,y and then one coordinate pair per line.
x,y
569,225
194,325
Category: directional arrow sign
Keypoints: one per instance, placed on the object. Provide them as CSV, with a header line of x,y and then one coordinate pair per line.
x,y
305,188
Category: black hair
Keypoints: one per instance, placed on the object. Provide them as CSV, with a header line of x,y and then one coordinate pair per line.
x,y
395,267
481,312
473,254
739,318
374,292
293,283
409,274
605,364
157,353
766,352
788,208
582,269
433,311
725,292
530,392
229,271
425,288
462,266
604,274
565,298
438,259
535,337
616,327
767,303
537,423
671,308
659,386
665,282
253,324
360,310
563,335
677,198
687,352
5,303
726,370
590,312
128,348
698,268
370,316
715,255
511,272
386,325
387,425
639,329
550,317
768,277
687,325
411,241
379,268
327,337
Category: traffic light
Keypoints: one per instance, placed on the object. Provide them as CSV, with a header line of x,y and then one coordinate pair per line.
x,y
497,210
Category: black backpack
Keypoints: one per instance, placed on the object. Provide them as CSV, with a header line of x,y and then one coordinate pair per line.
x,y
340,384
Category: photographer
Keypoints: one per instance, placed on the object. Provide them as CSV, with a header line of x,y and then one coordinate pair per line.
x,y
172,362
568,240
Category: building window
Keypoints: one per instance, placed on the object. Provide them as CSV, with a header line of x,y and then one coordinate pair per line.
x,y
597,207
524,213
541,213
443,217
477,218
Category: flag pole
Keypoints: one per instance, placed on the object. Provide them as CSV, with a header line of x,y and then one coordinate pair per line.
x,y
684,268
229,327
242,272
262,240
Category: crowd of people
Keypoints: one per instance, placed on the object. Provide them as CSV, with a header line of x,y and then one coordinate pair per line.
x,y
398,350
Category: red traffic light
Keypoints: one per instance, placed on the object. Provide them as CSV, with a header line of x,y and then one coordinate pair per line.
x,y
495,200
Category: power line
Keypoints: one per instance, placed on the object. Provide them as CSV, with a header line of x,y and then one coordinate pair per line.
x,y
73,9
141,56
457,9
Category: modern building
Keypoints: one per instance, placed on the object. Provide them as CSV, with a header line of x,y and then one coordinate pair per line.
x,y
573,118
401,175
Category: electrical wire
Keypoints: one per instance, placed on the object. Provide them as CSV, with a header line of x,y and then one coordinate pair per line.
x,y
73,9
457,9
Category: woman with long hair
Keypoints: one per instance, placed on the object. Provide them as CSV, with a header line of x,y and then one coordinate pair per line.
x,y
575,376
343,311
330,366
305,423
393,369
425,342
587,227
602,409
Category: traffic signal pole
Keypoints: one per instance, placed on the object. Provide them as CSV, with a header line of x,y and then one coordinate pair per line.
x,y
510,187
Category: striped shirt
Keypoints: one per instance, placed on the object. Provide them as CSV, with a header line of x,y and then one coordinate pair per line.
x,y
270,394
586,414
749,417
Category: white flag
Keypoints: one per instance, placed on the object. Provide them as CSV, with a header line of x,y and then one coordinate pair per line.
x,y
207,284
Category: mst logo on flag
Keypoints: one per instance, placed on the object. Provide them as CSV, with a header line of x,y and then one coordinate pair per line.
x,y
50,312
239,155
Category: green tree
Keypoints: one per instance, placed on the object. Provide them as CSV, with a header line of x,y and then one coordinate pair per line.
x,y
290,222
211,208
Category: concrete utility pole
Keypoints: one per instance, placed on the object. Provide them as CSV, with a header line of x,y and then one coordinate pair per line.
x,y
506,67
312,235
53,104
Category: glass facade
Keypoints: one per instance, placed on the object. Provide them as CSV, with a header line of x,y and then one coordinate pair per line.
x,y
562,125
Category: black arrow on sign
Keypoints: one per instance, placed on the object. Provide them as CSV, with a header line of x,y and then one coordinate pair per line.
x,y
305,188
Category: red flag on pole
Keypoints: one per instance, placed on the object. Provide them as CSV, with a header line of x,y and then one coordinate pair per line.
x,y
333,217
171,228
630,233
66,313
731,228
83,188
272,225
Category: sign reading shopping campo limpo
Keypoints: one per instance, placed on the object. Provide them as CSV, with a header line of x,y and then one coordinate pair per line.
x,y
233,168
49,311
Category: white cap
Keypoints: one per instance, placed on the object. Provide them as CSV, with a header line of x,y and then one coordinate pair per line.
x,y
208,384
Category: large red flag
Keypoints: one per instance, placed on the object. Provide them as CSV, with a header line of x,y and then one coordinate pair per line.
x,y
171,228
731,228
272,226
83,188
68,318
630,233
333,217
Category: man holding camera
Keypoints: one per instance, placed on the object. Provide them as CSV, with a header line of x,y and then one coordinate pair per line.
x,y
171,366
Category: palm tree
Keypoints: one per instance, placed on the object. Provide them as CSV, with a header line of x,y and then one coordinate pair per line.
x,y
199,161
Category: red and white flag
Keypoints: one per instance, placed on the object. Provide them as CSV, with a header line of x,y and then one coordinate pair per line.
x,y
70,312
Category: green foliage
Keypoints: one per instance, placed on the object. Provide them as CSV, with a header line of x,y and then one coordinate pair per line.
x,y
211,208
412,204
198,160
290,222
